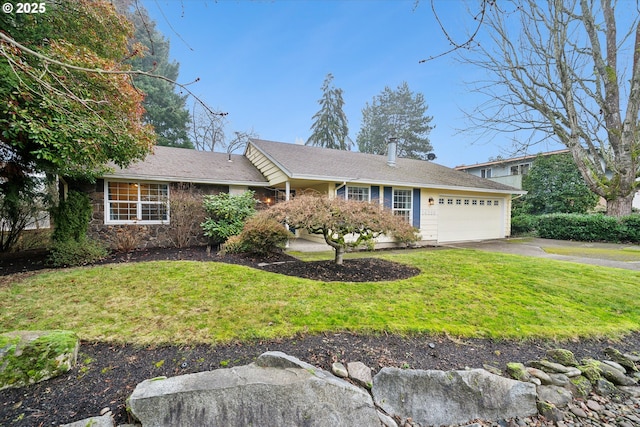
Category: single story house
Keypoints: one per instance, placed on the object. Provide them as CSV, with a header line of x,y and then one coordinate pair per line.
x,y
444,204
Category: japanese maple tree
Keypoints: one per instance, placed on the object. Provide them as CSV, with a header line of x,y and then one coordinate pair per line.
x,y
343,223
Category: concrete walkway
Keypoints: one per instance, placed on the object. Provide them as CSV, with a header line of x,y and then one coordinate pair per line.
x,y
525,246
303,245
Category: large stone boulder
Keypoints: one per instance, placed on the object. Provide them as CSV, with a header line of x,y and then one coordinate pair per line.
x,y
27,357
274,391
432,397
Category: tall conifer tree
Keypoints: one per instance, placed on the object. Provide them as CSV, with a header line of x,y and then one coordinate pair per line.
x,y
330,129
165,109
400,114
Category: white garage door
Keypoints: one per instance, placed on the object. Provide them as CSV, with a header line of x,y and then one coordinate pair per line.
x,y
470,218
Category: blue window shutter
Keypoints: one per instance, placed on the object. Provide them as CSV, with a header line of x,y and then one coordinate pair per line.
x,y
416,207
388,197
342,191
375,193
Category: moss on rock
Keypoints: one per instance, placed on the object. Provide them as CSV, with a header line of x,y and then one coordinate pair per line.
x,y
27,357
518,371
590,368
581,386
562,356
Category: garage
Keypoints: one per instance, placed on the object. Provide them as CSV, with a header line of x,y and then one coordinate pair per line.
x,y
461,217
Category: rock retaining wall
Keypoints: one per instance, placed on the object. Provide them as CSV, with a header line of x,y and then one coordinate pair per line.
x,y
281,390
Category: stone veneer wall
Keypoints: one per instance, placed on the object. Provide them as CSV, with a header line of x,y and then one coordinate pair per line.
x,y
142,235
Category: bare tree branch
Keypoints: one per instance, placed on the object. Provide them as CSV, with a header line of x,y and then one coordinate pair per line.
x,y
46,59
556,73
479,17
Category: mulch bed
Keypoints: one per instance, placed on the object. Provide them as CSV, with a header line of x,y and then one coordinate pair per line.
x,y
353,270
107,373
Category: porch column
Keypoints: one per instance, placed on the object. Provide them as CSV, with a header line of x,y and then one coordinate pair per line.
x,y
287,190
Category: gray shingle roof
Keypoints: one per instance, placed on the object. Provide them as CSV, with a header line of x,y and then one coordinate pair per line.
x,y
184,165
307,162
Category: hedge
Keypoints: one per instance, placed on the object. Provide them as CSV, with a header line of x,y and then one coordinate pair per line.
x,y
580,227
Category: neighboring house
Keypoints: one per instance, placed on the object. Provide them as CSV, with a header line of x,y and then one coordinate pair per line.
x,y
444,204
510,171
506,171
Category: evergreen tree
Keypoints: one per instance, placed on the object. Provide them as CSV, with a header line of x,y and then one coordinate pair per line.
x,y
400,114
554,185
165,109
330,130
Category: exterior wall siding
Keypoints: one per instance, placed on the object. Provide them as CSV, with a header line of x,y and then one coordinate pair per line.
x,y
273,174
428,216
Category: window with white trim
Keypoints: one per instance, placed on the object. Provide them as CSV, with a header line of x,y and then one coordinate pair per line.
x,y
360,194
136,202
402,204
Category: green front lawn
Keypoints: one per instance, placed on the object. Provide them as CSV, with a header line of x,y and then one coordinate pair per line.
x,y
462,293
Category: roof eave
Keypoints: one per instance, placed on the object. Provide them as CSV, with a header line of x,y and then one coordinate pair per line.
x,y
164,178
407,184
271,159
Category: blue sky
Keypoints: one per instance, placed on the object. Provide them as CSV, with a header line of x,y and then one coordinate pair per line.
x,y
264,63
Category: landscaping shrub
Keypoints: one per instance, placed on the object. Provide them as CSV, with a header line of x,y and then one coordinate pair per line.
x,y
630,228
126,238
579,227
71,246
39,238
71,217
262,235
71,253
187,213
226,215
523,224
233,245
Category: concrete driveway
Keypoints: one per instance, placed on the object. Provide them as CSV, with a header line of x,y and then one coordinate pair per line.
x,y
536,247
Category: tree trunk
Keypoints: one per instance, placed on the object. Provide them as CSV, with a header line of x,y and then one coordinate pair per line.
x,y
620,206
339,255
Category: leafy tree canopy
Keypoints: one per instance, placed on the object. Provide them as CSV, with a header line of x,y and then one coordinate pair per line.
x,y
396,113
330,129
335,218
57,117
554,185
